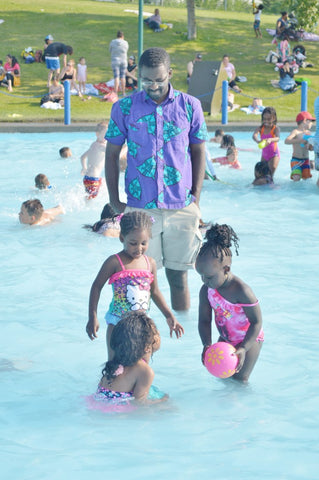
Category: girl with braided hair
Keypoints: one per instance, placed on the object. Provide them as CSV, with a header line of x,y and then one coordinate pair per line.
x,y
133,277
237,313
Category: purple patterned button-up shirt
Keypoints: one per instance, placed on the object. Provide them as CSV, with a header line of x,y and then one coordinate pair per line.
x,y
159,168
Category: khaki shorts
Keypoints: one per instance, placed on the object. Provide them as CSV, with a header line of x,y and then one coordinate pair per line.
x,y
176,238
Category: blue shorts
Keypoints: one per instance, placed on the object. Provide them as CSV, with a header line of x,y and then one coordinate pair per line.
x,y
52,63
256,24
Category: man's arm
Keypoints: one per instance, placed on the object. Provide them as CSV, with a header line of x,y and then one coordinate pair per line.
x,y
198,168
112,174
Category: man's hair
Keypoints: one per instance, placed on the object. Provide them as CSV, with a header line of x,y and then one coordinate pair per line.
x,y
34,207
154,57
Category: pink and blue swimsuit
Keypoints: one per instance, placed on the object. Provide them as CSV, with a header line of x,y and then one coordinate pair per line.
x,y
131,291
230,318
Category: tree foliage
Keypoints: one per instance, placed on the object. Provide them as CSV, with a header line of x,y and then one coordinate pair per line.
x,y
306,11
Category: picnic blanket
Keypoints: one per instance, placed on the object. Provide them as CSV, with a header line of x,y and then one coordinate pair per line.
x,y
310,37
51,105
250,109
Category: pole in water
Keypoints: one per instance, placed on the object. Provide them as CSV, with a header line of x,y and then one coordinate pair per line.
x,y
316,143
304,96
224,102
67,103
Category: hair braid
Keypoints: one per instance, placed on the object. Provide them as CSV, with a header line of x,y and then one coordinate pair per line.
x,y
218,240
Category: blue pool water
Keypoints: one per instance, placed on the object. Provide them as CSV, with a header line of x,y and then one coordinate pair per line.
x,y
210,428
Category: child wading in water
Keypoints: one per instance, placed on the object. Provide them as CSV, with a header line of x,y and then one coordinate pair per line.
x,y
237,312
300,164
133,277
108,225
92,162
128,375
231,157
262,174
270,133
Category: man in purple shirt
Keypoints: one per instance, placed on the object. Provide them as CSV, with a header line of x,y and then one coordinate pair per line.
x,y
165,133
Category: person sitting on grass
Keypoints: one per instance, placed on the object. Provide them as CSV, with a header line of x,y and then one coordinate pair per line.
x,y
154,21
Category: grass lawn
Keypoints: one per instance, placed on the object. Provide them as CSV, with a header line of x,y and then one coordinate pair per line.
x,y
89,26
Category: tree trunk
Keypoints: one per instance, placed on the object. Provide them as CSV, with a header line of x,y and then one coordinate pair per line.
x,y
191,22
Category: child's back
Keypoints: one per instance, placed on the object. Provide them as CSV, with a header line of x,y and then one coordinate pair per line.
x,y
95,156
93,161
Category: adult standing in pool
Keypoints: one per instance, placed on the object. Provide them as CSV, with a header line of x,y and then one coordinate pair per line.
x,y
52,53
165,133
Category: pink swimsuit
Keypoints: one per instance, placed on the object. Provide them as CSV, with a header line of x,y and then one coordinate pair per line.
x,y
272,150
230,318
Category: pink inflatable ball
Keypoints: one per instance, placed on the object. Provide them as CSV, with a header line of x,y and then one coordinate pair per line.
x,y
221,360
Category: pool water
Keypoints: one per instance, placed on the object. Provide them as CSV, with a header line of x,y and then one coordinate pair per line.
x,y
209,428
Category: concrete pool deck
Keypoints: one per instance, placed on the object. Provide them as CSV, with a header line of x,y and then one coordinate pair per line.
x,y
33,127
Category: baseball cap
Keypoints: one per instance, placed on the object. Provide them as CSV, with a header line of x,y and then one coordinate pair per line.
x,y
199,55
304,116
131,57
48,37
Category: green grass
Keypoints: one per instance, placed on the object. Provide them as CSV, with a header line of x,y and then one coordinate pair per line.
x,y
89,26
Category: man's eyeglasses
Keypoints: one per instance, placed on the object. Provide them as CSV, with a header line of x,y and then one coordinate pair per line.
x,y
148,83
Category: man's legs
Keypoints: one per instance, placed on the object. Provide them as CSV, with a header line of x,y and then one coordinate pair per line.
x,y
180,297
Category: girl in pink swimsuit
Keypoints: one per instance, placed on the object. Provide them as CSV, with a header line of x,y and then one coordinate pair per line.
x,y
270,132
133,278
127,378
237,313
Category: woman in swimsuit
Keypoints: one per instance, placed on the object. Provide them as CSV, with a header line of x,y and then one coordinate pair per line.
x,y
69,73
270,132
133,278
237,312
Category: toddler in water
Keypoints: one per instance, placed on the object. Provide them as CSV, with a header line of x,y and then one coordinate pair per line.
x,y
41,182
300,164
231,157
82,75
236,309
108,225
270,133
33,213
128,377
262,174
93,161
133,277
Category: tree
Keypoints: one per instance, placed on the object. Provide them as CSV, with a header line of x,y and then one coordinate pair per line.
x,y
306,11
191,21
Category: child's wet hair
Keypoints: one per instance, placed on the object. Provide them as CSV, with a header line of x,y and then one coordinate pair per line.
x,y
219,132
271,111
135,221
108,214
228,141
34,207
130,339
262,169
41,181
218,240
